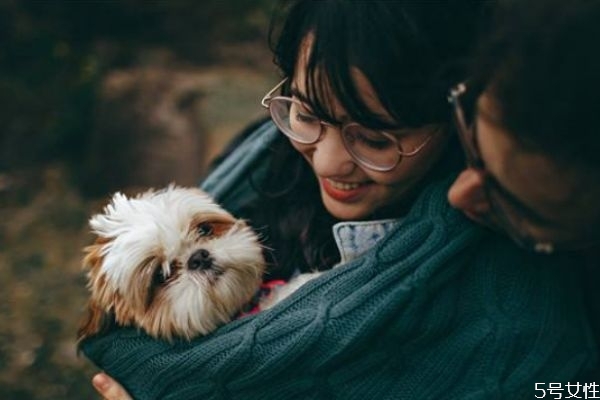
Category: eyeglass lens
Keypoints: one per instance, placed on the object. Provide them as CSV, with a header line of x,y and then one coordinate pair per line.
x,y
369,147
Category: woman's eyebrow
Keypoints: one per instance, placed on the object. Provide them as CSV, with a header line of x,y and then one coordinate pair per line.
x,y
296,93
305,100
344,118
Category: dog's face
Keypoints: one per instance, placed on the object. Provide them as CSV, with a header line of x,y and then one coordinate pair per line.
x,y
171,262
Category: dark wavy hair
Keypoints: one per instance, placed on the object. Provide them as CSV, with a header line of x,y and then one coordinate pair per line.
x,y
540,63
410,51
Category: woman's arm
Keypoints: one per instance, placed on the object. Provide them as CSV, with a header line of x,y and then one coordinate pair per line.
x,y
436,300
108,388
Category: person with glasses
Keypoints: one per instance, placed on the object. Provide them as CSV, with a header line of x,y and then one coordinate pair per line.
x,y
527,120
350,178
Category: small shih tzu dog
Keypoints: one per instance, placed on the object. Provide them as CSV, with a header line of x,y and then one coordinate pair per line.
x,y
171,262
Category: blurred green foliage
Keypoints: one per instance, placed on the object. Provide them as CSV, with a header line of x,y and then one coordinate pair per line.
x,y
54,53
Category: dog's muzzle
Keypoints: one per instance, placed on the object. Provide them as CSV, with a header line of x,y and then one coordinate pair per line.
x,y
200,260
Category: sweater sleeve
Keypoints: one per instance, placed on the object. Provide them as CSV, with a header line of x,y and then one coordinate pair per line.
x,y
433,311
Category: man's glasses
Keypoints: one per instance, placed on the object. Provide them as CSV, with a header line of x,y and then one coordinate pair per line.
x,y
507,212
373,149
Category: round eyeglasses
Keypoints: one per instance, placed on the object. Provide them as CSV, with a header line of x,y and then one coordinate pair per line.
x,y
373,149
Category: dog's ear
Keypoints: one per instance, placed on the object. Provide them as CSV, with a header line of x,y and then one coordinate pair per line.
x,y
96,321
92,264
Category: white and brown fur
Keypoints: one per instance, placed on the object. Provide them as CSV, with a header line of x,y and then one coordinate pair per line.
x,y
171,262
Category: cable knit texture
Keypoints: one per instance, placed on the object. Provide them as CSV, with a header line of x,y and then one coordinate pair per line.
x,y
437,309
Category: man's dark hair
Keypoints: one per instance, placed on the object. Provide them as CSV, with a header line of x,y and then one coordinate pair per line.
x,y
541,65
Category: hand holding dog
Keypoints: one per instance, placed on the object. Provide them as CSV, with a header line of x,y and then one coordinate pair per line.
x,y
108,388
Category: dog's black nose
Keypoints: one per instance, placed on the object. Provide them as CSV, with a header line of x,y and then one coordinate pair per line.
x,y
201,259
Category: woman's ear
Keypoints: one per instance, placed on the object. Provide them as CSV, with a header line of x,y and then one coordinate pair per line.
x,y
467,193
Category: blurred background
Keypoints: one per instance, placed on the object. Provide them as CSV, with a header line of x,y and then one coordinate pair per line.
x,y
98,96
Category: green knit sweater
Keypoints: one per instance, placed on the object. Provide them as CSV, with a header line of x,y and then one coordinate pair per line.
x,y
438,309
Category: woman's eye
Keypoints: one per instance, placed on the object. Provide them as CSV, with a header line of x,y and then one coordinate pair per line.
x,y
305,118
376,144
302,115
205,229
371,139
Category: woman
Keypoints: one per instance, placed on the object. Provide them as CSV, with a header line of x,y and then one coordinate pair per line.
x,y
423,304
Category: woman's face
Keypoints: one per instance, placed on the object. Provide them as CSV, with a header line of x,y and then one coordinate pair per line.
x,y
350,191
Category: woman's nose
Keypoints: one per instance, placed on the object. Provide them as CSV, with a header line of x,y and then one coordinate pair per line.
x,y
330,157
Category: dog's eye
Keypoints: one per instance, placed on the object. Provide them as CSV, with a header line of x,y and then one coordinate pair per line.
x,y
159,277
205,229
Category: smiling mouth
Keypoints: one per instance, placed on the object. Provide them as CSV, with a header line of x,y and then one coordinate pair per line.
x,y
343,191
344,185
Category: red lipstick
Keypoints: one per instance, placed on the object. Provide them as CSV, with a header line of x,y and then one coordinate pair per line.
x,y
343,195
